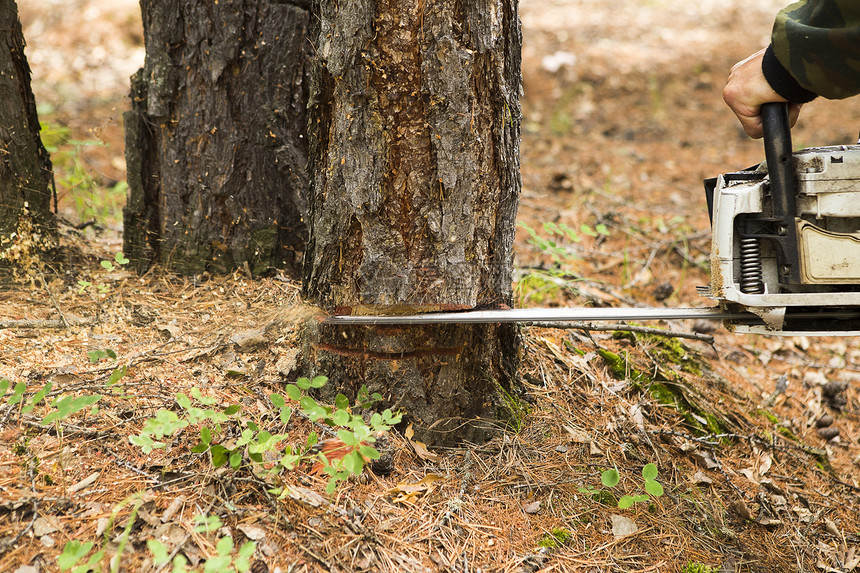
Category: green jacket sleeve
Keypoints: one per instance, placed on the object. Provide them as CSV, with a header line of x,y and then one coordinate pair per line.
x,y
817,42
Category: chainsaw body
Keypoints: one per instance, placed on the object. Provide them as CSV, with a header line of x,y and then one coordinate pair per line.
x,y
786,239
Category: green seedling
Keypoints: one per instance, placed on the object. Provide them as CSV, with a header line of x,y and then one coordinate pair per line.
x,y
253,444
68,406
611,478
108,266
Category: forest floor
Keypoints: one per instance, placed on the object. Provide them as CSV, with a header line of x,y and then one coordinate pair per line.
x,y
755,439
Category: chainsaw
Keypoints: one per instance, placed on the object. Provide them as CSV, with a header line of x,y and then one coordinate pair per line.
x,y
785,250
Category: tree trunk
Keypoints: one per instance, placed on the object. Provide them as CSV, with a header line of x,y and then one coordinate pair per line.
x,y
27,224
415,122
216,145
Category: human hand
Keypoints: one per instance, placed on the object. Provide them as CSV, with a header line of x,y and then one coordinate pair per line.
x,y
747,89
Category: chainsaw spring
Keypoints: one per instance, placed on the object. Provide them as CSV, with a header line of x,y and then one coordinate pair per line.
x,y
751,273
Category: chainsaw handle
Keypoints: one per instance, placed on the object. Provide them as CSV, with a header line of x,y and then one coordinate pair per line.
x,y
777,153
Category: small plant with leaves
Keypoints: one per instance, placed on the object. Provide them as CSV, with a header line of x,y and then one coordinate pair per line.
x,y
108,266
355,434
76,556
559,237
166,423
91,198
610,478
117,374
266,453
59,409
224,561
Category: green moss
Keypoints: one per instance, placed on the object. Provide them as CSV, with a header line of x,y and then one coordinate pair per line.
x,y
666,391
570,347
621,368
537,288
782,430
787,433
768,416
665,348
555,538
697,567
264,241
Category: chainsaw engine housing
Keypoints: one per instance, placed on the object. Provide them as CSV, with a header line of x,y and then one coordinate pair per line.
x,y
781,262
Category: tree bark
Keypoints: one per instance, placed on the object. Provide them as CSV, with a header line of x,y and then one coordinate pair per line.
x,y
27,224
216,145
415,124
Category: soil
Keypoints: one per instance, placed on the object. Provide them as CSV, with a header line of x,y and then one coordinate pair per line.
x,y
754,438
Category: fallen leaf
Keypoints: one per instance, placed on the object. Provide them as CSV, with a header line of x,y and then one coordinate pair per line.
x,y
701,478
768,520
424,453
420,447
831,528
101,525
803,514
407,493
622,526
248,339
174,506
576,436
168,331
43,527
637,417
740,507
306,496
531,507
252,532
705,460
85,483
765,462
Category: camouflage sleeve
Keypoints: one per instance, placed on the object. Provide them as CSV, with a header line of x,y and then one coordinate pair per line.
x,y
817,42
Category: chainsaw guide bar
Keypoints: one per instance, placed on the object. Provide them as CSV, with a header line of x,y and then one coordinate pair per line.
x,y
541,315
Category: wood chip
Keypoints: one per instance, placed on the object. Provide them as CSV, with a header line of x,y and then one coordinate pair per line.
x,y
85,483
740,507
622,526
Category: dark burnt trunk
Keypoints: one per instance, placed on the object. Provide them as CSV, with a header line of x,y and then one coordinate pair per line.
x,y
27,223
415,180
216,145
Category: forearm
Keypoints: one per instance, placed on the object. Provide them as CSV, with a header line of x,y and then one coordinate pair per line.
x,y
815,50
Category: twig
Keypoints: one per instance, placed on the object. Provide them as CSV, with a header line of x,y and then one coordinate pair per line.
x,y
625,328
34,501
6,545
50,323
54,300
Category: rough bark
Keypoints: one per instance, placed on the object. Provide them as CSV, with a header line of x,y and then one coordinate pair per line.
x,y
415,181
26,178
216,145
